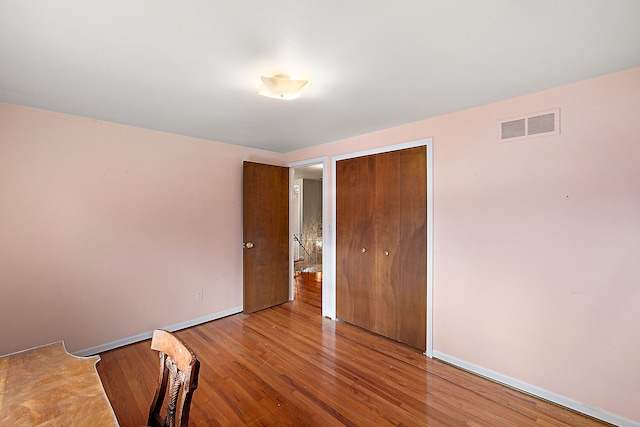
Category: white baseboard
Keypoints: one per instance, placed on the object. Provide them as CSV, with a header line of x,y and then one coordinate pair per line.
x,y
536,391
146,335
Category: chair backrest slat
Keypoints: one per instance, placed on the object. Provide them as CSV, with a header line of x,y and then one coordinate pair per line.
x,y
179,369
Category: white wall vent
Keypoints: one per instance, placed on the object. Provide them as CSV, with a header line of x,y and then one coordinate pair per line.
x,y
529,126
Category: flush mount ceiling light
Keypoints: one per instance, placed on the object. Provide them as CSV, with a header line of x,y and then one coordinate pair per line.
x,y
281,86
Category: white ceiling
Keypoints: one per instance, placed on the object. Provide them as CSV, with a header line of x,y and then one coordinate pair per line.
x,y
193,67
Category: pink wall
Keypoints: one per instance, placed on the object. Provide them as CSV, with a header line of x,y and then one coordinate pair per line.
x,y
537,242
109,231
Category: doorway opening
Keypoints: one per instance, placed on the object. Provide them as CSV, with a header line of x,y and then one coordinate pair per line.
x,y
307,233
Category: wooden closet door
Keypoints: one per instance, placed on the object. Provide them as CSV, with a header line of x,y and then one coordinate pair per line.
x,y
412,320
355,240
385,288
381,244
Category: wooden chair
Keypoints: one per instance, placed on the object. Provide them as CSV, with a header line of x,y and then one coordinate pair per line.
x,y
179,368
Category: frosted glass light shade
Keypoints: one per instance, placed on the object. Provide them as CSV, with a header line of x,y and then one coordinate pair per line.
x,y
281,87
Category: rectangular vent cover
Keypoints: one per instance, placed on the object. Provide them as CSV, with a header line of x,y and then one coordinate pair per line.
x,y
530,126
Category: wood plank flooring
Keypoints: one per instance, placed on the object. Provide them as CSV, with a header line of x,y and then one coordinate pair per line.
x,y
289,366
308,288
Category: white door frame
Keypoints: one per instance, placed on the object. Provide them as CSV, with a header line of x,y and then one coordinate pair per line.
x,y
329,233
291,166
329,305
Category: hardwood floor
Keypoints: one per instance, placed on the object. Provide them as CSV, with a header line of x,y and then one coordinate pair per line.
x,y
308,288
289,366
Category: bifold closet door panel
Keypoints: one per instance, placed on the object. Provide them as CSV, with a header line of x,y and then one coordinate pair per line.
x,y
385,289
413,235
355,240
381,240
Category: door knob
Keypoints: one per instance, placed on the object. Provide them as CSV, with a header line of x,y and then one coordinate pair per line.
x,y
364,250
247,245
386,253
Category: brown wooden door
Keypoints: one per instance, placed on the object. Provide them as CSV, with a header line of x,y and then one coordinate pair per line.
x,y
387,252
265,212
412,319
355,240
381,207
